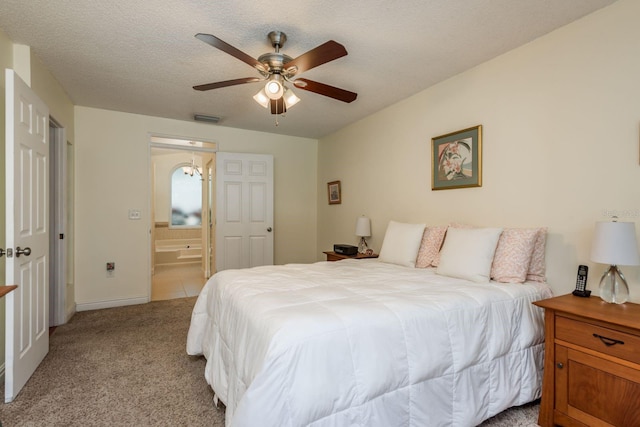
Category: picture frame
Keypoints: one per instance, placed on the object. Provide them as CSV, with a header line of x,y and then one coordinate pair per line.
x,y
456,159
334,192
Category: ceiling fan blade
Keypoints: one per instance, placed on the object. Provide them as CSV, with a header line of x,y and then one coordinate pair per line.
x,y
278,106
226,83
326,90
226,47
317,56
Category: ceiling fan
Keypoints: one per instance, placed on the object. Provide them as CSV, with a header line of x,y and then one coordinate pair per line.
x,y
277,68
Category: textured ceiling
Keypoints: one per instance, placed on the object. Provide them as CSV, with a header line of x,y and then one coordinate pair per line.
x,y
142,57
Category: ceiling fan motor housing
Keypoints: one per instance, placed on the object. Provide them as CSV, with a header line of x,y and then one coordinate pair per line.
x,y
274,62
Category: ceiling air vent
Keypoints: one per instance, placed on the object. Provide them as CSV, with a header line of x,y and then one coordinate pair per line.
x,y
204,118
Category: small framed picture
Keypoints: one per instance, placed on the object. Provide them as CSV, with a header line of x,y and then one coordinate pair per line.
x,y
335,194
456,159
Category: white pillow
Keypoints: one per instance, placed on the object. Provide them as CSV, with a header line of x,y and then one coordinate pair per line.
x,y
401,243
467,253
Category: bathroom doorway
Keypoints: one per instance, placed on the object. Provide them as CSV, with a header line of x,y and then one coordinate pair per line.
x,y
182,207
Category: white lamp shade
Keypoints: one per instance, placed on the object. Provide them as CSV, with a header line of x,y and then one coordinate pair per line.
x,y
363,227
262,98
290,98
615,243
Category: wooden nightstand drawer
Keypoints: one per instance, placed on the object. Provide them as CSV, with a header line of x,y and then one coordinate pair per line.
x,y
603,340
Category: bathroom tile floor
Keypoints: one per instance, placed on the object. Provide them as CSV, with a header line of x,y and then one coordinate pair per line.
x,y
181,281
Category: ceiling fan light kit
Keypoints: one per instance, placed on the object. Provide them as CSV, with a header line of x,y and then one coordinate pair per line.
x,y
277,68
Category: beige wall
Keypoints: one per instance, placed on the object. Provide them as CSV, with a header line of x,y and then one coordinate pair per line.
x,y
561,117
112,176
49,90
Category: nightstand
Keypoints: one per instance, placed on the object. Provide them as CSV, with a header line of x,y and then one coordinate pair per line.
x,y
592,363
6,289
332,256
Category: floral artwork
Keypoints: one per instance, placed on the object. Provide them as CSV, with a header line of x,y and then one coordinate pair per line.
x,y
456,159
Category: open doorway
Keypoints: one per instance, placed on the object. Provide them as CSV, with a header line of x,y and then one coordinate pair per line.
x,y
182,211
61,291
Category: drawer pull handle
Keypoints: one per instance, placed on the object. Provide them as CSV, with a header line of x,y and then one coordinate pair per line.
x,y
608,341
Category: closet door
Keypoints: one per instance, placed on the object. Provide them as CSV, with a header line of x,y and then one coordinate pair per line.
x,y
244,210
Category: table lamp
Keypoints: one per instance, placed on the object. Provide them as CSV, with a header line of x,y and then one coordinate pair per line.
x,y
614,243
363,229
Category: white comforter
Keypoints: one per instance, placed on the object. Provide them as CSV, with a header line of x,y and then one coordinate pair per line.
x,y
365,343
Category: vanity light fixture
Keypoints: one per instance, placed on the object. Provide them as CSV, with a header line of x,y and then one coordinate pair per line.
x,y
192,168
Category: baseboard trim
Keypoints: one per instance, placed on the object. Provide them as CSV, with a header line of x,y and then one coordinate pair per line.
x,y
110,304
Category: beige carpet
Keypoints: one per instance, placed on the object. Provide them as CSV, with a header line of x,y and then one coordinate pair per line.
x,y
127,366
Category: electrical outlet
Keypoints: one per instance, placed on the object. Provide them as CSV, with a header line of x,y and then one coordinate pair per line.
x,y
135,214
111,269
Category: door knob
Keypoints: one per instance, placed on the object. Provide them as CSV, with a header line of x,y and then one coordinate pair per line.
x,y
269,229
25,251
1,252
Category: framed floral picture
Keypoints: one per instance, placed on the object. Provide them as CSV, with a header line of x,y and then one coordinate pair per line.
x,y
456,159
335,194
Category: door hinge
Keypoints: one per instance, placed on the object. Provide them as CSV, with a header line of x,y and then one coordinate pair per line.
x,y
61,236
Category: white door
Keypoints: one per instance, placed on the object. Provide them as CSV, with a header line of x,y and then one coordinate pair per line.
x,y
244,210
27,233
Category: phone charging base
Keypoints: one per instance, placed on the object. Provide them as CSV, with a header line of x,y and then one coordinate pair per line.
x,y
583,294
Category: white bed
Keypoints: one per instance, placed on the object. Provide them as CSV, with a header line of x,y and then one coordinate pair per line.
x,y
366,343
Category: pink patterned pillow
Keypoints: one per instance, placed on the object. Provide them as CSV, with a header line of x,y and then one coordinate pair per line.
x,y
537,267
513,255
430,246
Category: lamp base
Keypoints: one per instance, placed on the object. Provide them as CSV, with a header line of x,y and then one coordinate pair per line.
x,y
362,246
613,286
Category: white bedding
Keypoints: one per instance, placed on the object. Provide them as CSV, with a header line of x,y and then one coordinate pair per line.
x,y
366,343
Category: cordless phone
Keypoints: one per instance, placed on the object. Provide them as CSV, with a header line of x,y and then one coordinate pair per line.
x,y
581,282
